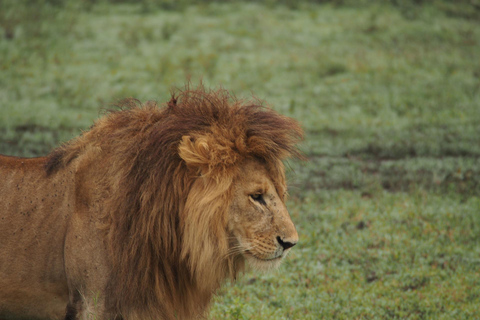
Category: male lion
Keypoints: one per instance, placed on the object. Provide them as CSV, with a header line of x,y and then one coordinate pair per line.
x,y
144,215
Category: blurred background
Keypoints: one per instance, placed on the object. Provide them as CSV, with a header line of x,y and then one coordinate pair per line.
x,y
388,93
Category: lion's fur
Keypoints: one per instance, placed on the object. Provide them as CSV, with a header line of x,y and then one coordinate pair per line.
x,y
158,180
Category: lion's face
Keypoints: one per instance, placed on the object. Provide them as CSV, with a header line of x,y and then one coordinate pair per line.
x,y
258,218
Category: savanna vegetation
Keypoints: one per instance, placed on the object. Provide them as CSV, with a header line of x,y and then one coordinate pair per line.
x,y
388,92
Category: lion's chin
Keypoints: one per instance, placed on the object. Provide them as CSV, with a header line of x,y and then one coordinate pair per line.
x,y
263,264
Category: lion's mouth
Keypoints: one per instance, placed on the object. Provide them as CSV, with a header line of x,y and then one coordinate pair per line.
x,y
263,259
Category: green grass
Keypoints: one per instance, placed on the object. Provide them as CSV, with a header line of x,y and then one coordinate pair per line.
x,y
387,207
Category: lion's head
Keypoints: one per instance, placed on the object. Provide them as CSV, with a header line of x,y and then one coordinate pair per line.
x,y
244,208
258,218
186,194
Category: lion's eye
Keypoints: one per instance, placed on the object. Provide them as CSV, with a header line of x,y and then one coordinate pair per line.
x,y
258,197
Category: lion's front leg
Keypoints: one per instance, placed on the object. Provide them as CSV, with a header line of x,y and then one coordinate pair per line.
x,y
87,270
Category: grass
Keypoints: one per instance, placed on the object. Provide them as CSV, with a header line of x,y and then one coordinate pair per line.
x,y
387,207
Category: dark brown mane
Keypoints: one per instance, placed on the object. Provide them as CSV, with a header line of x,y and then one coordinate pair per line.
x,y
147,184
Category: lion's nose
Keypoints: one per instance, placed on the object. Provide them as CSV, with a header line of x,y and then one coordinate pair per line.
x,y
285,243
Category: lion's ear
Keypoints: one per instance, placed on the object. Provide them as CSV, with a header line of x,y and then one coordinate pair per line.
x,y
195,152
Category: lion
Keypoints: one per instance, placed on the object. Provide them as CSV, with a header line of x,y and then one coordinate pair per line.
x,y
144,215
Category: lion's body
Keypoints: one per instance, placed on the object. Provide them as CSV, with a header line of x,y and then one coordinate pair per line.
x,y
145,215
31,250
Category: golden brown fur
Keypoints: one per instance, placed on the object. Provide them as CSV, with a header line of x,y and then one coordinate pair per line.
x,y
144,215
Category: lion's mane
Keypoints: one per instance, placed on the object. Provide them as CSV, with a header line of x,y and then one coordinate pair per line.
x,y
164,221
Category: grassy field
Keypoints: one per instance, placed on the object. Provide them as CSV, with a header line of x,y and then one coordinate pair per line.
x,y
388,205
